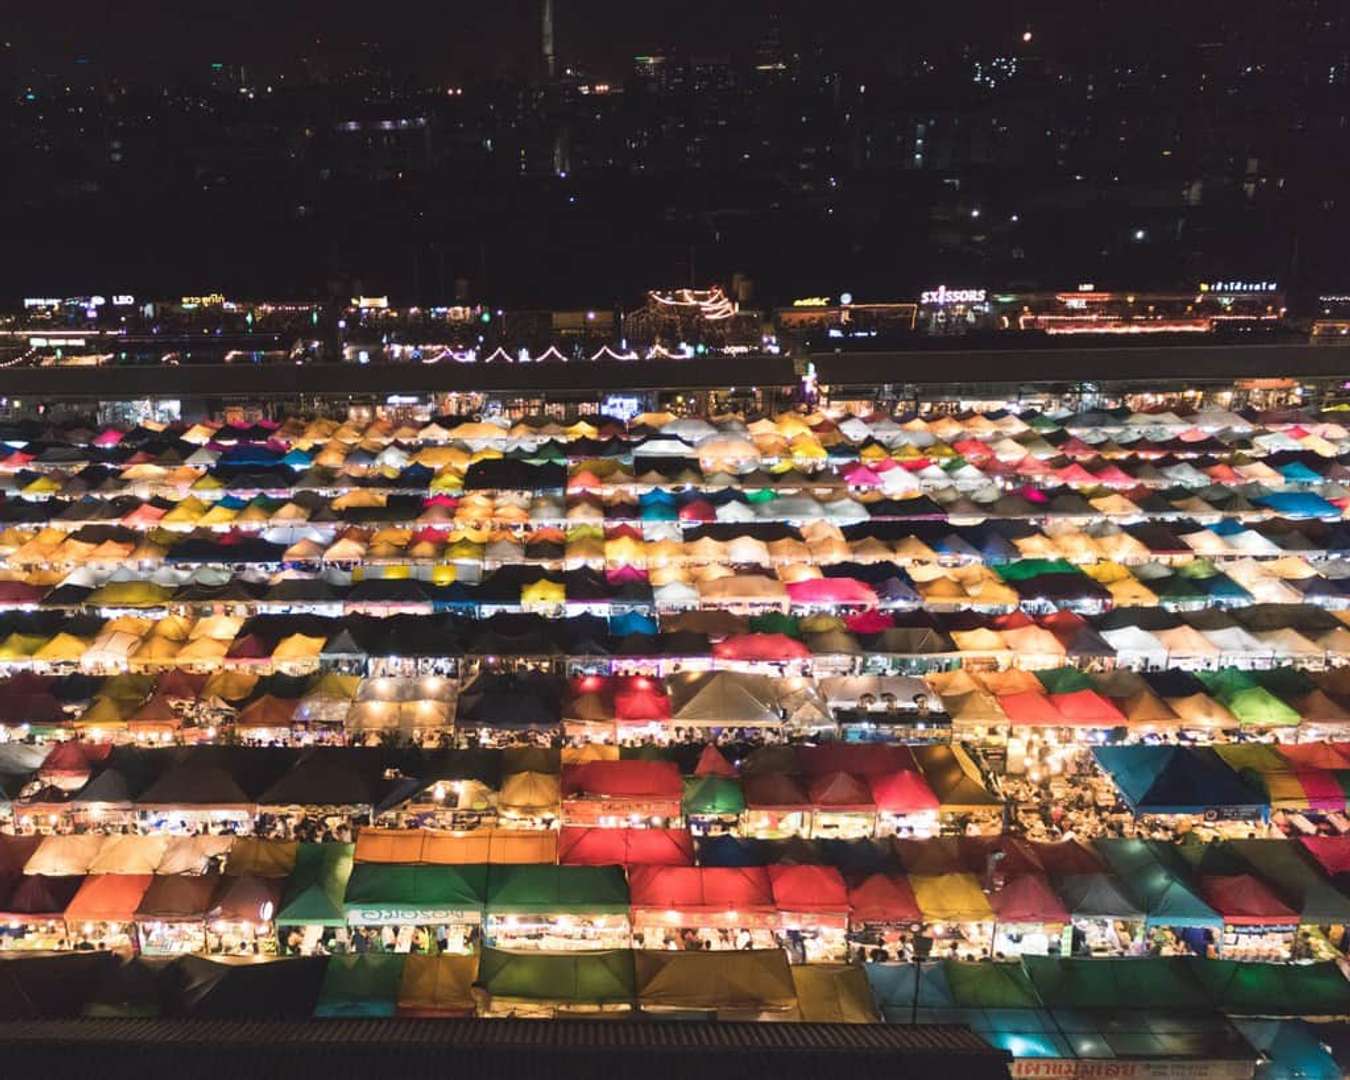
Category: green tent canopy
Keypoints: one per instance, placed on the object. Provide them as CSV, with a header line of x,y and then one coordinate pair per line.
x,y
1096,896
596,978
982,985
315,889
713,795
775,622
1156,882
1064,680
380,894
541,889
1026,569
1255,989
1162,983
1258,707
363,985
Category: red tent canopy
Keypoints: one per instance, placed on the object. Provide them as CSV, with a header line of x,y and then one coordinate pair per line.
x,y
15,593
1087,708
1332,853
840,792
774,791
904,791
760,647
1318,755
40,708
712,762
701,888
249,647
869,622
808,889
698,510
837,590
624,575
1245,900
73,758
15,851
638,697
1028,898
884,898
109,897
630,779
1029,708
861,759
177,683
580,846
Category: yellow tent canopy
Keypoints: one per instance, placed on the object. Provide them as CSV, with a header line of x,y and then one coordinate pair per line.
x,y
951,898
261,858
64,648
529,791
833,994
755,981
438,985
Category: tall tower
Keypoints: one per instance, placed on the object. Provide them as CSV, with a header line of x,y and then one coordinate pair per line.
x,y
547,27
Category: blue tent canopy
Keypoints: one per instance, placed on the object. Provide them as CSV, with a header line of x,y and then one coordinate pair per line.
x,y
1299,504
1179,780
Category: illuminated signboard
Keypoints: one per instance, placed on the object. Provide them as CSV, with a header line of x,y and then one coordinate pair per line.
x,y
209,300
622,406
123,300
811,301
944,295
40,301
1239,286
370,301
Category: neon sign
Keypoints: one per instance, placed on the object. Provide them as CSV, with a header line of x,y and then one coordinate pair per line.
x,y
1239,286
944,295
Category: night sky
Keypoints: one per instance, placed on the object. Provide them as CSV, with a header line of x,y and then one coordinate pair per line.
x,y
467,39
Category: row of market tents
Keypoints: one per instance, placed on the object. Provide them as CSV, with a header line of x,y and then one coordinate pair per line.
x,y
176,705
1121,1012
673,879
674,550
742,577
725,443
1120,424
1298,635
283,526
74,780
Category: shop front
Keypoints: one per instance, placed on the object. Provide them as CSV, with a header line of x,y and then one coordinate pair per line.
x,y
32,912
171,917
958,921
702,907
1030,918
557,908
241,920
102,915
312,920
421,909
884,918
813,911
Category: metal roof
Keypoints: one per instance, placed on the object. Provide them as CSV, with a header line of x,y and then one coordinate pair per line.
x,y
482,1049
